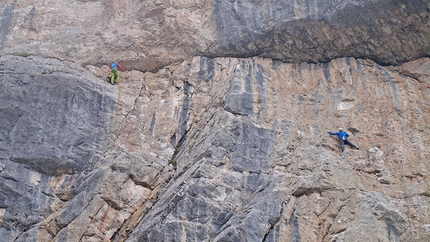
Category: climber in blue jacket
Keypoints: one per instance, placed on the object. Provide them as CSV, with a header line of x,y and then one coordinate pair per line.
x,y
342,136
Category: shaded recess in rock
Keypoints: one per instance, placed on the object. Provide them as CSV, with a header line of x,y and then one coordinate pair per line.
x,y
320,31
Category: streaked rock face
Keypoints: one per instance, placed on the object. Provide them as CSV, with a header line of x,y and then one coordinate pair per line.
x,y
257,167
215,150
148,35
225,139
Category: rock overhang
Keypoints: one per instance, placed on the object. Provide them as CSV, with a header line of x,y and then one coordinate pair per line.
x,y
147,36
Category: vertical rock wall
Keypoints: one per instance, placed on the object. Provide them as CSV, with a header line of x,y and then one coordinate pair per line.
x,y
218,149
260,166
232,146
54,119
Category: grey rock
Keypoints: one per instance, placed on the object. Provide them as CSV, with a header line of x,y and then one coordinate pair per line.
x,y
6,20
149,35
54,123
214,150
245,178
50,127
318,31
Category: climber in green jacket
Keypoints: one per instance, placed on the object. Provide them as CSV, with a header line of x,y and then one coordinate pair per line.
x,y
114,72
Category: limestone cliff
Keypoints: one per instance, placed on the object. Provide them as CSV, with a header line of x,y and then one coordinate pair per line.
x,y
147,35
226,138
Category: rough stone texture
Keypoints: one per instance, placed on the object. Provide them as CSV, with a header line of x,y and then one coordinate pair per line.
x,y
417,69
148,35
258,164
50,117
53,118
214,149
218,149
64,172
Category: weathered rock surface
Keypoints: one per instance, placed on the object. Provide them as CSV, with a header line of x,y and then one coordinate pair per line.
x,y
217,149
53,119
256,167
223,140
147,35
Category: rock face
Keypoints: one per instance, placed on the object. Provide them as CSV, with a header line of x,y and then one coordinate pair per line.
x,y
53,119
147,35
224,140
255,167
214,150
